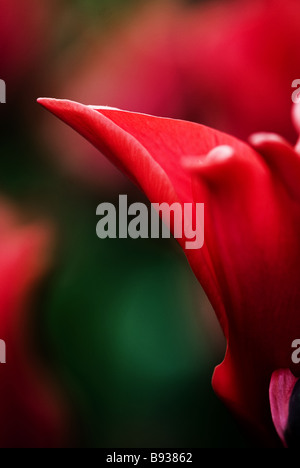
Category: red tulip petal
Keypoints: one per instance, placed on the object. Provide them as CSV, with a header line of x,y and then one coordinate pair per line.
x,y
249,265
253,243
142,145
31,411
149,150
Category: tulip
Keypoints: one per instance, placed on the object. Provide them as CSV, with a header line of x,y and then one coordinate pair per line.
x,y
210,63
249,265
31,409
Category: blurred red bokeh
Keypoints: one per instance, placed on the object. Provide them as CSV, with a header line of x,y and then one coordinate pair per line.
x,y
25,34
32,411
229,65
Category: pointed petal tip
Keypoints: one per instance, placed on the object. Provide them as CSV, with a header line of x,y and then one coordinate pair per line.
x,y
48,103
54,102
44,100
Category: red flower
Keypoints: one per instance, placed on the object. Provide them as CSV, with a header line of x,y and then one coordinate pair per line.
x,y
249,265
31,411
209,63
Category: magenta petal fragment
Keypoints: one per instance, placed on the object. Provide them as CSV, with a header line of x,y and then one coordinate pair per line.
x,y
281,388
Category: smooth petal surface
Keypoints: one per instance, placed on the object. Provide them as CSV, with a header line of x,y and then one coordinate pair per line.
x,y
249,266
150,151
253,220
139,143
253,229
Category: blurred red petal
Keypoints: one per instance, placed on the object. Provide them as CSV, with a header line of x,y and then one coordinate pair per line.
x,y
31,408
24,36
238,60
